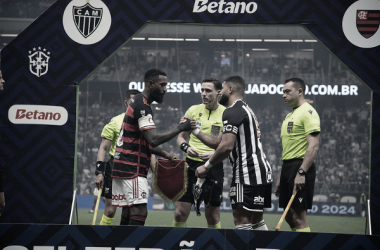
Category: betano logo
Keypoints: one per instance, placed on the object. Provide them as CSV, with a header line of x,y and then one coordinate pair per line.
x,y
224,7
38,114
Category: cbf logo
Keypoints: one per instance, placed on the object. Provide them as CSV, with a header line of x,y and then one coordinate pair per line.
x,y
39,61
86,21
361,23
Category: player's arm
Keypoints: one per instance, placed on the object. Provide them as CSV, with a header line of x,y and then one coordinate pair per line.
x,y
311,153
184,146
100,165
209,140
224,149
160,152
155,139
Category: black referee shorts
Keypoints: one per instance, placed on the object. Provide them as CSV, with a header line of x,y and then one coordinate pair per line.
x,y
215,173
107,186
304,197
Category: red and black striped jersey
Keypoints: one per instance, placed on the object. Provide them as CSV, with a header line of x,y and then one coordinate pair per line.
x,y
133,152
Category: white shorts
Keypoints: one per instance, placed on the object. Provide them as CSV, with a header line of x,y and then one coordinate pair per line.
x,y
96,191
128,192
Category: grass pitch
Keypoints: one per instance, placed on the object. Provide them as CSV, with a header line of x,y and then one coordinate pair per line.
x,y
320,224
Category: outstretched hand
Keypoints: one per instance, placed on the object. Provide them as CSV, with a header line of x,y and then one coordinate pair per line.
x,y
186,124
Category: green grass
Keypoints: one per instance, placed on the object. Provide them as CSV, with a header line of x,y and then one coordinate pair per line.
x,y
321,224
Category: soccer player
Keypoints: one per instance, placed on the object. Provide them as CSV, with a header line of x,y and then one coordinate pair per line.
x,y
2,197
109,136
208,116
134,147
300,141
251,184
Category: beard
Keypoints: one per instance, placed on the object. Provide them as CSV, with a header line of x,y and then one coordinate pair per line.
x,y
223,100
157,96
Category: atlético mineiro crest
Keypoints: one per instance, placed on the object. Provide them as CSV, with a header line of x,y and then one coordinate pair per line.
x,y
367,22
87,19
39,61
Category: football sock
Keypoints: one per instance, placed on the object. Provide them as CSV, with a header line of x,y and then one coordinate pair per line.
x,y
137,220
215,226
178,224
106,220
260,226
307,229
244,227
124,221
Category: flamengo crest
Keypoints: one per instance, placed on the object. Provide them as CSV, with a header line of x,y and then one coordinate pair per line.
x,y
367,22
39,61
87,19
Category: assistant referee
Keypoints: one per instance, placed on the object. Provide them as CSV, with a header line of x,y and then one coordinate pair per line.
x,y
300,141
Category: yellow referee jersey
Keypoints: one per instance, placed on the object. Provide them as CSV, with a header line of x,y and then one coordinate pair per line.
x,y
210,122
111,131
301,122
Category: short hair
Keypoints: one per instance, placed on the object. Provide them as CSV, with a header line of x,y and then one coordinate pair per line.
x,y
298,83
238,82
131,92
216,82
153,74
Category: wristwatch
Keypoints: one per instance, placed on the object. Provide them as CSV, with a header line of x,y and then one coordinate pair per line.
x,y
301,171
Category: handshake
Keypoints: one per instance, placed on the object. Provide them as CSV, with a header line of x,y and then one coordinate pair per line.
x,y
188,124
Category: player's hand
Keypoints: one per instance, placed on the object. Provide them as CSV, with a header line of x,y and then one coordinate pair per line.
x,y
172,157
99,181
277,189
189,124
299,182
183,119
201,172
192,152
205,156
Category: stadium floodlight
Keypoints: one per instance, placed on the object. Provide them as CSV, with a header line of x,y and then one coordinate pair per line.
x,y
277,40
260,49
310,41
249,40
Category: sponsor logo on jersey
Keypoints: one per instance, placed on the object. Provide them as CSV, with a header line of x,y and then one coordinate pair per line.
x,y
38,115
39,61
119,197
290,127
119,142
86,22
215,130
269,177
300,199
258,200
142,112
311,112
200,114
224,7
361,23
117,155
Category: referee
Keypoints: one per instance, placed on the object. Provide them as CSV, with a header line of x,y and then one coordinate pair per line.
x,y
300,141
251,184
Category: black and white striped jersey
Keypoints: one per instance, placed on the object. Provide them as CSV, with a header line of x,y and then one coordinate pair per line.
x,y
248,160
